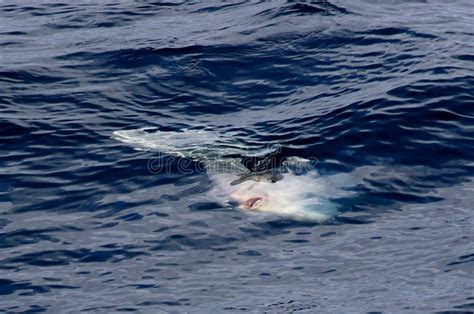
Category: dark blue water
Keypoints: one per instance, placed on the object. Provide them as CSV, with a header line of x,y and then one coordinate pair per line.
x,y
381,90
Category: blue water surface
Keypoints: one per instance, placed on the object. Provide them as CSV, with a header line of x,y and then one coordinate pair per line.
x,y
382,91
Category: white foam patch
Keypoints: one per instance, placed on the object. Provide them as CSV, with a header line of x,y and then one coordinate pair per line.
x,y
180,143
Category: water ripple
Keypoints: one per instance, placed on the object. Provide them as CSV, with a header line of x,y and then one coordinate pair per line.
x,y
379,92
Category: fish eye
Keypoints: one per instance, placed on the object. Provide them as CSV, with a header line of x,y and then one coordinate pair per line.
x,y
253,202
257,203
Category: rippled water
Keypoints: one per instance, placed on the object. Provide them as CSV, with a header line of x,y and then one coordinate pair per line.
x,y
380,90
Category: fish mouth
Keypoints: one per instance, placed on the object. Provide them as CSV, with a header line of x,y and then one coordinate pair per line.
x,y
253,202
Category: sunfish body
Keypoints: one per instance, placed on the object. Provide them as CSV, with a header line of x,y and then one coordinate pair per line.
x,y
277,191
299,197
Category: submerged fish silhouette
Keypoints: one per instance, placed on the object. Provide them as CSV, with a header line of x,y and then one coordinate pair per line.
x,y
273,189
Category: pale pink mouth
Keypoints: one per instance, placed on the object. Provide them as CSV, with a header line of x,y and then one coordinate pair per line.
x,y
252,202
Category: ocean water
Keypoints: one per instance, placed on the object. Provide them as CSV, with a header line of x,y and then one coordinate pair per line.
x,y
378,90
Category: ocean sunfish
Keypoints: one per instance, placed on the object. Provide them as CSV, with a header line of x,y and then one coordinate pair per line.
x,y
299,197
275,189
